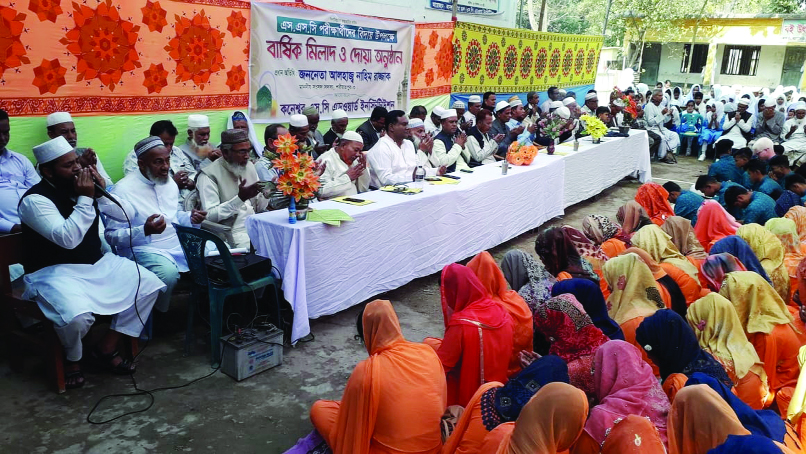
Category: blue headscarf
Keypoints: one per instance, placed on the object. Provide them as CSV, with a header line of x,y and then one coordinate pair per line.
x,y
672,345
762,422
591,298
737,247
746,444
786,201
504,404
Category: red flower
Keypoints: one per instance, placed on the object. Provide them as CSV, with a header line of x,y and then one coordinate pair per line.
x,y
445,59
12,52
154,16
236,78
196,49
429,77
433,39
49,76
236,24
417,58
45,9
103,43
155,78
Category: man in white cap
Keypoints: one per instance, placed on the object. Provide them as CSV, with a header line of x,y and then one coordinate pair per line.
x,y
517,113
67,274
372,129
737,124
553,95
61,124
346,172
338,124
770,123
481,146
229,188
459,107
795,134
299,128
434,121
503,113
393,160
448,146
473,108
197,147
591,103
154,197
656,116
423,143
314,136
571,104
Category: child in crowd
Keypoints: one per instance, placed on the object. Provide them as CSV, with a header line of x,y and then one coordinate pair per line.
x,y
691,124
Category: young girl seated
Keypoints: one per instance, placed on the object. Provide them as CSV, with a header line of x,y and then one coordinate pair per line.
x,y
691,124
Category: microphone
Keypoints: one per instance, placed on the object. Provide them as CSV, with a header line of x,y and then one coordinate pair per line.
x,y
105,193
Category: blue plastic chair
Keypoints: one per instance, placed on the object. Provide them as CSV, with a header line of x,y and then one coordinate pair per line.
x,y
193,243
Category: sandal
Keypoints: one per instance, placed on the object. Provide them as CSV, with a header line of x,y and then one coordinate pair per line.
x,y
105,361
73,379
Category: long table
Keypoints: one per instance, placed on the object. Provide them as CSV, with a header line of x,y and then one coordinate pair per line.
x,y
399,238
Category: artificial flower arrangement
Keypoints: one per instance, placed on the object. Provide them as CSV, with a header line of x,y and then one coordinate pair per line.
x,y
298,178
521,155
630,108
554,126
593,126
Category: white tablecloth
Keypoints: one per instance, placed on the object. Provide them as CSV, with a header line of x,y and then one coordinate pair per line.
x,y
399,238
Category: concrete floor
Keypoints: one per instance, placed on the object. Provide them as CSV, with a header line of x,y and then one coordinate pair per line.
x,y
266,413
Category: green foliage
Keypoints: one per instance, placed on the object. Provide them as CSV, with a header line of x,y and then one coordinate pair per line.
x,y
784,6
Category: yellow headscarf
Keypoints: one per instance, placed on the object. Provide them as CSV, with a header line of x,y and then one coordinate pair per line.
x,y
787,231
634,292
770,253
798,402
751,294
660,247
798,214
720,333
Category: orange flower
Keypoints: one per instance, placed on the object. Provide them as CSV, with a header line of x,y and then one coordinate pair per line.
x,y
155,78
49,76
45,9
305,161
285,184
236,78
196,49
236,24
154,16
284,162
286,143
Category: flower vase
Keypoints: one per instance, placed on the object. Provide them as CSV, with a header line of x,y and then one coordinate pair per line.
x,y
302,209
292,211
596,140
550,148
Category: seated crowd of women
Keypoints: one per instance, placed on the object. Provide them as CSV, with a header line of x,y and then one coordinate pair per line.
x,y
642,336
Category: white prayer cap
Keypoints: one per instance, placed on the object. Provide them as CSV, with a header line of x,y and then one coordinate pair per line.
x,y
501,106
556,104
458,105
474,99
730,107
563,112
338,114
298,121
352,136
800,105
52,149
448,113
438,111
58,118
592,95
198,121
515,103
618,102
743,102
416,123
568,101
147,144
562,92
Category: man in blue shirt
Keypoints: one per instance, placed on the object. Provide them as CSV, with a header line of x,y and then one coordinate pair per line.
x,y
712,188
758,207
686,203
758,181
779,166
726,167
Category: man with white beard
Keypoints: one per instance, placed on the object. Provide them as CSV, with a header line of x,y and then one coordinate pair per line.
x,y
197,146
229,188
154,196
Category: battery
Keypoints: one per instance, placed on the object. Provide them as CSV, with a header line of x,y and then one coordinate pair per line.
x,y
252,352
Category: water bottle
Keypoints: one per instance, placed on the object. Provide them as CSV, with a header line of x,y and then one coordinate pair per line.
x,y
419,177
292,211
576,144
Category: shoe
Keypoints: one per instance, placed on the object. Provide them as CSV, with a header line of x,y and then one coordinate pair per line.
x,y
702,157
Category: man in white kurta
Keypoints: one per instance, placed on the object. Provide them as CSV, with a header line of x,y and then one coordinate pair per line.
x,y
794,134
656,117
197,147
68,275
153,196
448,147
61,124
738,122
481,146
346,171
393,160
229,187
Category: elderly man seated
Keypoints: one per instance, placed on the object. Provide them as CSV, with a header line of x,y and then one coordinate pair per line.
x,y
197,147
61,124
770,123
591,103
338,124
393,160
449,147
424,144
656,116
229,187
503,113
481,146
346,171
153,196
67,274
794,134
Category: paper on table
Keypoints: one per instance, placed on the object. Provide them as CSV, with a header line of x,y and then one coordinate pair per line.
x,y
402,189
343,199
443,180
330,217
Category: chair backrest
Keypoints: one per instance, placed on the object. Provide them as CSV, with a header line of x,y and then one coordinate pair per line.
x,y
11,252
193,242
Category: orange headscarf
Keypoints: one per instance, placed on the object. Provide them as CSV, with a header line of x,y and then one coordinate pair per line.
x,y
654,198
798,214
701,420
493,280
407,373
633,435
713,224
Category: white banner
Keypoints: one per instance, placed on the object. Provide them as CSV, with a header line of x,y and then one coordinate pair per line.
x,y
300,58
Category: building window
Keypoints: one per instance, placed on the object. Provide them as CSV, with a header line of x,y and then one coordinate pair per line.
x,y
740,60
698,58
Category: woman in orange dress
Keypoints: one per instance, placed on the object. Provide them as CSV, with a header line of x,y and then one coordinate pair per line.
x,y
655,200
794,251
769,327
549,424
713,224
670,292
393,401
495,404
660,247
632,216
478,335
798,214
770,253
494,282
684,239
633,435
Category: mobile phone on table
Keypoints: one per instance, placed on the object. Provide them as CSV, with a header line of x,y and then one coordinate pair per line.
x,y
454,177
466,170
350,199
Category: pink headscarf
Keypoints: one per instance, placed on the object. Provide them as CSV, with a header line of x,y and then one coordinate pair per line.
x,y
763,148
625,385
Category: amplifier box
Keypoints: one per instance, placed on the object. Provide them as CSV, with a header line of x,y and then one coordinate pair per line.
x,y
251,352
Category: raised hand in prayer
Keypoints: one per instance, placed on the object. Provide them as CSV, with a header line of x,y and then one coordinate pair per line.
x,y
247,192
355,171
155,224
197,216
182,180
461,140
426,144
738,116
442,170
527,358
215,154
89,158
83,183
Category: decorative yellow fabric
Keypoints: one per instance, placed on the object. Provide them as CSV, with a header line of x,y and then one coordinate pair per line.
x,y
659,245
787,231
798,402
750,295
770,253
634,292
798,214
720,333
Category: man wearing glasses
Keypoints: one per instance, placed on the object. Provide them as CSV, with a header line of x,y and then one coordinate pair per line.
x,y
229,188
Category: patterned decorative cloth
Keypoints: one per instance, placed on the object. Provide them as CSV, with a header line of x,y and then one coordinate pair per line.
x,y
716,266
584,246
528,276
737,247
600,228
750,294
590,296
770,253
559,255
634,292
632,216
